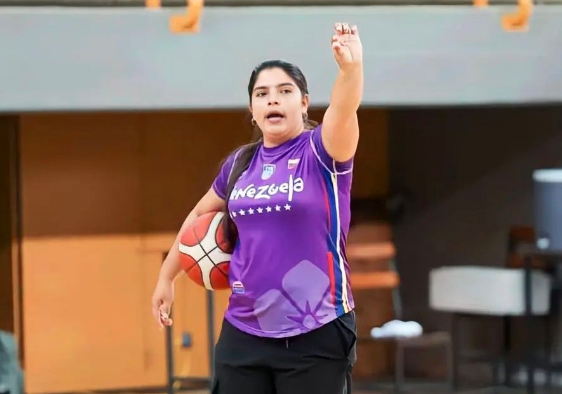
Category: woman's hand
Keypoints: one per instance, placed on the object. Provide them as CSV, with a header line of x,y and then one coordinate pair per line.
x,y
347,47
162,300
340,126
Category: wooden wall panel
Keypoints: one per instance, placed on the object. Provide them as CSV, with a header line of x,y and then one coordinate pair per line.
x,y
81,174
104,195
81,272
9,269
370,174
82,315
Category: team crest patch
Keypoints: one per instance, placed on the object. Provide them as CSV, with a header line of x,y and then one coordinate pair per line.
x,y
267,172
238,288
292,163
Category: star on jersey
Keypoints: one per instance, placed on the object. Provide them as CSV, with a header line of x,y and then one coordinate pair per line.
x,y
268,209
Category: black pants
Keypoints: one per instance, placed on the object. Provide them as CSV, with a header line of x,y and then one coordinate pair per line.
x,y
318,362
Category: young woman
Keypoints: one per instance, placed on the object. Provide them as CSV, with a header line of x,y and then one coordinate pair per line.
x,y
289,327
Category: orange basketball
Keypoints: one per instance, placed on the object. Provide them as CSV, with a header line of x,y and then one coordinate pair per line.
x,y
205,252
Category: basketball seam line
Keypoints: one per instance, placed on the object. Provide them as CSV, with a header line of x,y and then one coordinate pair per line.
x,y
206,254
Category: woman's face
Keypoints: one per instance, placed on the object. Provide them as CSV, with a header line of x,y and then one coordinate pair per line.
x,y
277,105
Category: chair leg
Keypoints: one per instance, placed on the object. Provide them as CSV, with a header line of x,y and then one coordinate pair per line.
x,y
399,368
506,350
548,342
496,364
450,365
455,341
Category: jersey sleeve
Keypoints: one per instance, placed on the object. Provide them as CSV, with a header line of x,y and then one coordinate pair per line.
x,y
221,180
324,157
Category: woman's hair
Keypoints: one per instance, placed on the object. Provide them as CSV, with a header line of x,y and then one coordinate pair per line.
x,y
247,152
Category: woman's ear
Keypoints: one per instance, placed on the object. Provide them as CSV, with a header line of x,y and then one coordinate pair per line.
x,y
305,102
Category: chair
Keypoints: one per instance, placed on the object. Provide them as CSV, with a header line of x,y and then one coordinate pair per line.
x,y
382,254
481,291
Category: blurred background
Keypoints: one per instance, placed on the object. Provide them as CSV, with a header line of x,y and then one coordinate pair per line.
x,y
115,115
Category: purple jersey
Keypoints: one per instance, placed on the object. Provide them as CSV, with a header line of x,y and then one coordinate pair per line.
x,y
288,272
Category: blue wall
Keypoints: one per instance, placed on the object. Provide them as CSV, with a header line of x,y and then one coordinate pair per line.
x,y
111,58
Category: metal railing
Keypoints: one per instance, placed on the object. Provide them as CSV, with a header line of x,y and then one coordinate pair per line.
x,y
189,22
256,3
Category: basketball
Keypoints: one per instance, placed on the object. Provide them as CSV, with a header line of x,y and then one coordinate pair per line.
x,y
205,252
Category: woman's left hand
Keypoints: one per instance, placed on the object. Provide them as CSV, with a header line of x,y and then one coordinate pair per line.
x,y
347,47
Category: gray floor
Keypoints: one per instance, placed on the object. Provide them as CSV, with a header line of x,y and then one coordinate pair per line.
x,y
433,389
469,391
419,389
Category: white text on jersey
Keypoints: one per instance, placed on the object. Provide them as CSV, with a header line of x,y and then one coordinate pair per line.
x,y
267,191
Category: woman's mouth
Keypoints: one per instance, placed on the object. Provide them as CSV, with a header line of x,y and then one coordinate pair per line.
x,y
275,117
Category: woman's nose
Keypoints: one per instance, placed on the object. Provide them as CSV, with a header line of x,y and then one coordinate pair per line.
x,y
273,99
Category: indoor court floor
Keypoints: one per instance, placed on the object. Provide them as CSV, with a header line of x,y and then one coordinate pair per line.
x,y
412,389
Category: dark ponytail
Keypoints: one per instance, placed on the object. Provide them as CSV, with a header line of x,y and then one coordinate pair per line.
x,y
246,153
242,162
309,124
